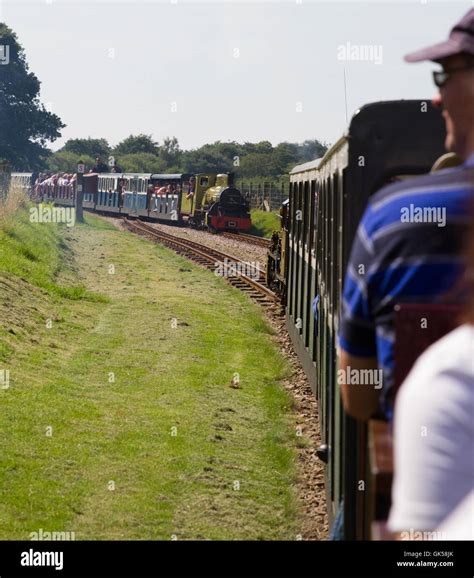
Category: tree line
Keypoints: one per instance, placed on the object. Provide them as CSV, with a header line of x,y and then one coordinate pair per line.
x,y
140,153
27,128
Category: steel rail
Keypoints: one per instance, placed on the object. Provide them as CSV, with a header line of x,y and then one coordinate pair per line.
x,y
211,258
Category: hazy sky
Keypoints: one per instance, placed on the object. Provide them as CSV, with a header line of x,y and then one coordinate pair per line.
x,y
223,70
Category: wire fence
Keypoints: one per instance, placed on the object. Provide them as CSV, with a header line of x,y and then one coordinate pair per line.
x,y
264,196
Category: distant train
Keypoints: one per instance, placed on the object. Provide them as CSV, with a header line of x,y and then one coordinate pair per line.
x,y
204,200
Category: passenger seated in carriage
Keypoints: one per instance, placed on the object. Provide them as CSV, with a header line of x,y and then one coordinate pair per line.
x,y
159,191
120,190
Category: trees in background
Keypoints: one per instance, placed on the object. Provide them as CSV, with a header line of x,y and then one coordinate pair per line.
x,y
141,163
170,154
140,153
136,144
88,147
312,149
25,124
67,161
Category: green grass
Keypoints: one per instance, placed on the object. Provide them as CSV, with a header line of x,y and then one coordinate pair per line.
x,y
114,345
29,252
35,252
264,223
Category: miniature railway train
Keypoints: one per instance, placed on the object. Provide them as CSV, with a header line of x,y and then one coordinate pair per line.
x,y
306,263
204,200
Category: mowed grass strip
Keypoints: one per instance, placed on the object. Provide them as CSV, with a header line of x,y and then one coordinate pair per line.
x,y
120,421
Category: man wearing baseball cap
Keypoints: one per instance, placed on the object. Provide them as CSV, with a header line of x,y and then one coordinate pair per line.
x,y
434,474
456,85
410,261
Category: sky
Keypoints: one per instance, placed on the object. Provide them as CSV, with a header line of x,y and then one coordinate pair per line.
x,y
228,70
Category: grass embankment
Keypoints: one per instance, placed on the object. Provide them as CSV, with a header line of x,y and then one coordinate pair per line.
x,y
119,421
264,223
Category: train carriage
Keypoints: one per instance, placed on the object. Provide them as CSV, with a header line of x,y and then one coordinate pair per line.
x,y
108,197
64,195
385,141
168,206
131,194
89,191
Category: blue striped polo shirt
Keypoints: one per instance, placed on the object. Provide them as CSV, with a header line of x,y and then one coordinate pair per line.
x,y
408,247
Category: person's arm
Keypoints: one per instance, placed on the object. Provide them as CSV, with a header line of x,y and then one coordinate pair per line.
x,y
360,401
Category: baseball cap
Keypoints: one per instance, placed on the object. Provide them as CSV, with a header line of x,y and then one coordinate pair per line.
x,y
461,39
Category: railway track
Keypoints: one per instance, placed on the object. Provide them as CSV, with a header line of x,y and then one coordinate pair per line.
x,y
242,275
252,239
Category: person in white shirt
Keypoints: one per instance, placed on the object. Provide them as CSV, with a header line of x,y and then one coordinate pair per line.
x,y
460,524
434,436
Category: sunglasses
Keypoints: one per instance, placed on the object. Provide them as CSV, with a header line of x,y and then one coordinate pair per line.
x,y
441,77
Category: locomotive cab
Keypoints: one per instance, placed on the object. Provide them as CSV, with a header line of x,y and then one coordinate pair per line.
x,y
193,198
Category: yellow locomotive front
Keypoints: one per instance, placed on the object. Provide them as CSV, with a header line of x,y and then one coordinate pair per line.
x,y
212,202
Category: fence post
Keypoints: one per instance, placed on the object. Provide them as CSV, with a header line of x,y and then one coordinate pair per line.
x,y
79,192
4,179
